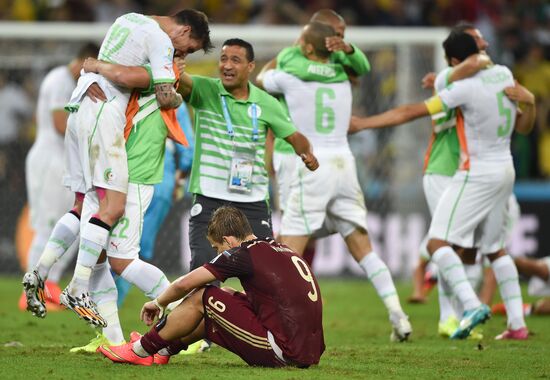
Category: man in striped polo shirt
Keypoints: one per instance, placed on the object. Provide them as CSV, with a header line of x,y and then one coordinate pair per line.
x,y
232,117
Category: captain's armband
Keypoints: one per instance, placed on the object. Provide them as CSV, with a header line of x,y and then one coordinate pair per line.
x,y
435,106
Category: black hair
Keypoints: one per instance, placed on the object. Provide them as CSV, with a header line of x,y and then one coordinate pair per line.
x,y
242,43
459,46
89,49
462,26
198,21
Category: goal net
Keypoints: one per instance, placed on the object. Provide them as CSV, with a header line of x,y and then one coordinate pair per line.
x,y
389,162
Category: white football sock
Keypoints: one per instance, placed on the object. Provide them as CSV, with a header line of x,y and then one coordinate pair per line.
x,y
146,277
104,293
474,273
452,270
380,276
445,296
506,275
57,270
93,240
139,350
38,245
64,233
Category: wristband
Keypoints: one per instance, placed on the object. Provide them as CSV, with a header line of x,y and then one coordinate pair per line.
x,y
161,308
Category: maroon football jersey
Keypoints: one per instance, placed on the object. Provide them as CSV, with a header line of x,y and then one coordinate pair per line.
x,y
283,292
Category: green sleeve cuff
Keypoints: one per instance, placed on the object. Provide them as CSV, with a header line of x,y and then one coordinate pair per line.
x,y
358,61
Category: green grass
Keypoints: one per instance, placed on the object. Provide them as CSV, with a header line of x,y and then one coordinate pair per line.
x,y
356,334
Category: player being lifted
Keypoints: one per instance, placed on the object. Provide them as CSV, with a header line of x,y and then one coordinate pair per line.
x,y
292,60
97,157
472,209
321,110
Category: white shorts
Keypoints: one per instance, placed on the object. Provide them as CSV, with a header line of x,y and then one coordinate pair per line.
x,y
284,165
537,286
48,199
101,145
285,169
434,186
124,239
331,191
474,201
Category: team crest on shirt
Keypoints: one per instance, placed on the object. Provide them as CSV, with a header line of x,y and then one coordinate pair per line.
x,y
258,111
170,52
108,175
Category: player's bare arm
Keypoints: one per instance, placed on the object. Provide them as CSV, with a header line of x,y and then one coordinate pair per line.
x,y
60,121
95,93
186,82
177,290
469,67
428,81
167,97
302,147
391,118
269,146
271,65
125,76
527,114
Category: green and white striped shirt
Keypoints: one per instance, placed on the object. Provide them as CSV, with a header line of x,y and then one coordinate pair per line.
x,y
214,148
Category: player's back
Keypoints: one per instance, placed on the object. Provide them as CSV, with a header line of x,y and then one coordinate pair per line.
x,y
489,116
55,91
287,300
320,111
135,40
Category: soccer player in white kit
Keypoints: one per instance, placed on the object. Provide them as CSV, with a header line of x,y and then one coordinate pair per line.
x,y
48,198
321,111
471,211
97,158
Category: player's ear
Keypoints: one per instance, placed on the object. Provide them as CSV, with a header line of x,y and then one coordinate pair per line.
x,y
226,241
251,66
183,29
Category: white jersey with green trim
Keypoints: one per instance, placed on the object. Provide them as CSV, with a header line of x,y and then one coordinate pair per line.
x,y
320,111
135,40
489,116
55,92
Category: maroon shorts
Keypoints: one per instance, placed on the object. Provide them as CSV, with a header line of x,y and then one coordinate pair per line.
x,y
231,323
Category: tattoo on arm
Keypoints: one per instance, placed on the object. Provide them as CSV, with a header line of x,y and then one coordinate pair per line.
x,y
167,96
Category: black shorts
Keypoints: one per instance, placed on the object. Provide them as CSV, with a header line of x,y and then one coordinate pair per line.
x,y
258,214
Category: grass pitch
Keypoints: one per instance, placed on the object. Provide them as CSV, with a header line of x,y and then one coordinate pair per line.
x,y
356,334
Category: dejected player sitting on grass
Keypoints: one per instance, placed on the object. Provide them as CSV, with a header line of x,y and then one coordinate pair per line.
x,y
277,322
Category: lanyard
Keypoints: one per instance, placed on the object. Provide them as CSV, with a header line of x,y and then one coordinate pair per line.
x,y
229,125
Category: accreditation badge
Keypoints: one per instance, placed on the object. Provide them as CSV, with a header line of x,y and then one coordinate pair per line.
x,y
242,168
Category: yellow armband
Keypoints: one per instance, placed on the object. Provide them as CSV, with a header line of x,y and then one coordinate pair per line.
x,y
434,105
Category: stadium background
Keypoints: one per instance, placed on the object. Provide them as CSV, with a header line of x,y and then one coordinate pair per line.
x,y
402,41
